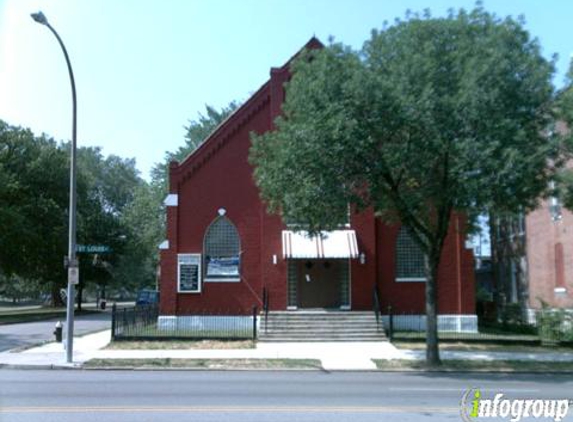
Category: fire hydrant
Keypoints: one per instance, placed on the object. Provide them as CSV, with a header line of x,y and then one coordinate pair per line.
x,y
58,332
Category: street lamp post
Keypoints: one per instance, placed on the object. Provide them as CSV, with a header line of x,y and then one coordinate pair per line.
x,y
71,261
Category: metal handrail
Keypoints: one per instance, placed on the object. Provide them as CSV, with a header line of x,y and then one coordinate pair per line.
x,y
266,306
376,306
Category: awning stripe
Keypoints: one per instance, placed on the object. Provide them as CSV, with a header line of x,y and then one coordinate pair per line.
x,y
332,244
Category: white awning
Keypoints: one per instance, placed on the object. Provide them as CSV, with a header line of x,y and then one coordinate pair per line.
x,y
331,244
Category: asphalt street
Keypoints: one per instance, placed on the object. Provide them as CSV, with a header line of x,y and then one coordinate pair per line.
x,y
90,396
29,333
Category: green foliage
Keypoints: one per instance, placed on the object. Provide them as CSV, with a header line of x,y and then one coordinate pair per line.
x,y
143,220
565,187
34,189
33,201
565,98
564,106
555,325
17,288
106,186
431,116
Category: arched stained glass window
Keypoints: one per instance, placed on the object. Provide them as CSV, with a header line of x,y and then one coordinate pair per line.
x,y
221,249
409,258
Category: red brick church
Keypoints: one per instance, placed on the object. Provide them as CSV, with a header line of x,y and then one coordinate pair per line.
x,y
223,249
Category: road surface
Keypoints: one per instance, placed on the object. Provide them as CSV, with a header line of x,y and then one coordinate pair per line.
x,y
29,333
161,396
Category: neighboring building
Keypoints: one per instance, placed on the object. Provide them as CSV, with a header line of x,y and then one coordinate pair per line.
x,y
549,232
223,249
533,257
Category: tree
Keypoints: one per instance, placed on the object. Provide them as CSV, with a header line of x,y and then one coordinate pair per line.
x,y
432,116
107,186
33,207
143,222
564,105
34,177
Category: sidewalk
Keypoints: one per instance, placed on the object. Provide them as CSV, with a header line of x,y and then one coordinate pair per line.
x,y
333,356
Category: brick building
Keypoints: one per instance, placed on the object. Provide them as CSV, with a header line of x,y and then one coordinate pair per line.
x,y
223,250
532,256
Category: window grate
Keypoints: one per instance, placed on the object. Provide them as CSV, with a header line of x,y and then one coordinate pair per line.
x,y
222,250
409,257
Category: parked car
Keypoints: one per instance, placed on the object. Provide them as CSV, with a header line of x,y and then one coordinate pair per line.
x,y
147,297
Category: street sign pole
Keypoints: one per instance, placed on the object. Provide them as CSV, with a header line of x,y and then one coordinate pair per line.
x,y
41,19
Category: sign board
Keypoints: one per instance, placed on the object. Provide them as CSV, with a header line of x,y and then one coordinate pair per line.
x,y
73,275
189,273
93,249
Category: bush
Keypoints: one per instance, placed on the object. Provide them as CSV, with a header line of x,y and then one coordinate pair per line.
x,y
555,325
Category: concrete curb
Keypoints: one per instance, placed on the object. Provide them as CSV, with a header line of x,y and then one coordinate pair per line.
x,y
38,367
192,369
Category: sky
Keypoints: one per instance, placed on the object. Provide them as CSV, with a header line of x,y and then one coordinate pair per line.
x,y
143,69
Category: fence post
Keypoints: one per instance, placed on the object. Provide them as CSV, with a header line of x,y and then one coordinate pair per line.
x,y
255,322
390,323
113,311
124,323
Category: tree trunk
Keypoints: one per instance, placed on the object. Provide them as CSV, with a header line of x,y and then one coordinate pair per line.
x,y
432,347
56,298
80,291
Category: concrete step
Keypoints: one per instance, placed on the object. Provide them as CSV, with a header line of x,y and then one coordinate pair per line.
x,y
318,339
318,326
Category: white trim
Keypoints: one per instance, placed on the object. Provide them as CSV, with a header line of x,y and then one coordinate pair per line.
x,y
457,323
171,200
205,322
222,280
560,290
411,279
189,256
164,245
345,308
292,308
349,306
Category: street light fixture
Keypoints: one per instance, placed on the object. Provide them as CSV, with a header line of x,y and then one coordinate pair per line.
x,y
71,261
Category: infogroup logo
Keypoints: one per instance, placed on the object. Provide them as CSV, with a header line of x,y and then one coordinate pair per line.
x,y
474,407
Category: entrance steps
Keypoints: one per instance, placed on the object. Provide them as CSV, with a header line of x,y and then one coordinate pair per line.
x,y
302,326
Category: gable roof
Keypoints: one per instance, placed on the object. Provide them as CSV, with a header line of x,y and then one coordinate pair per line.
x,y
235,121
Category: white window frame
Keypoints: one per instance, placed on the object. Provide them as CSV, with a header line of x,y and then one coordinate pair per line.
x,y
211,279
197,260
411,279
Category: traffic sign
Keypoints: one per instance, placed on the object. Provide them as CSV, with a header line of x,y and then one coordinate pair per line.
x,y
73,275
93,249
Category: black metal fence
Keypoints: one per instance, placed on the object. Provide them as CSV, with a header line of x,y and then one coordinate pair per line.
x,y
143,323
548,327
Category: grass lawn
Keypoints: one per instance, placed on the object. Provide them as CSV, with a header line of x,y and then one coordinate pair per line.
x,y
181,344
483,347
454,336
477,366
206,363
15,315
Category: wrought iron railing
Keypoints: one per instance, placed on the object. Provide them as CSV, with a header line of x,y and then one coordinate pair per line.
x,y
377,307
549,328
143,322
266,306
